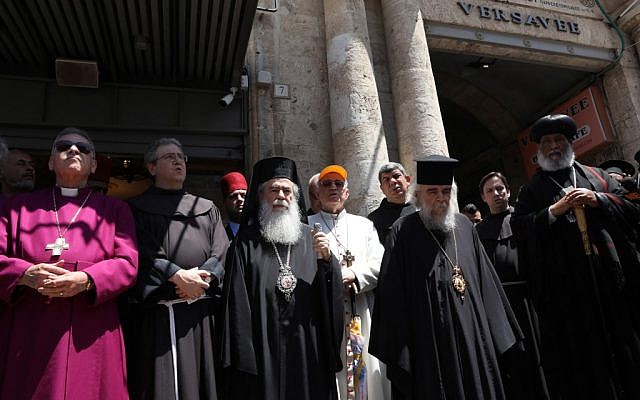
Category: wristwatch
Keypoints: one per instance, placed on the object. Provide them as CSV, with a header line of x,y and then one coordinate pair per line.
x,y
90,285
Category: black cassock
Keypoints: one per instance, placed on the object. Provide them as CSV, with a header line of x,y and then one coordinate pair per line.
x,y
587,309
522,374
175,230
436,345
386,214
273,348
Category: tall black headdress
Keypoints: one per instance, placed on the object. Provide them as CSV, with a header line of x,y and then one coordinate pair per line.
x,y
435,170
264,170
552,124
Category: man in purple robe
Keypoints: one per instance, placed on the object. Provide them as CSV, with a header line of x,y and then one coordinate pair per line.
x,y
66,254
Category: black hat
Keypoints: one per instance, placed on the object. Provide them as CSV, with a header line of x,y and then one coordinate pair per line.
x,y
620,167
637,156
551,124
264,170
435,170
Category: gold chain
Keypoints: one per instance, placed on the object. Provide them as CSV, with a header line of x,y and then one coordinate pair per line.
x,y
457,279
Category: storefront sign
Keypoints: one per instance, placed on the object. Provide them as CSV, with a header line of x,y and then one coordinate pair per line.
x,y
587,108
518,18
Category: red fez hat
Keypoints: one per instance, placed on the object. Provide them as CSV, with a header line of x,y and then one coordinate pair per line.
x,y
231,182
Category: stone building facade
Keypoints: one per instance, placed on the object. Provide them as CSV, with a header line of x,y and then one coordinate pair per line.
x,y
368,81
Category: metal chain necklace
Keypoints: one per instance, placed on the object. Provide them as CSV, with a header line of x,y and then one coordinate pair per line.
x,y
347,257
569,215
287,281
457,279
60,243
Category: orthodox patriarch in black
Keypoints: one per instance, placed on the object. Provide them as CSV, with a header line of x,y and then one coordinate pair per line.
x,y
283,296
441,317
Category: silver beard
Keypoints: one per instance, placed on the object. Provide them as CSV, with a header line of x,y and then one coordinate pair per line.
x,y
550,165
24,185
280,226
445,223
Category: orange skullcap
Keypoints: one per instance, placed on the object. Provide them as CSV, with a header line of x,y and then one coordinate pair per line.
x,y
336,169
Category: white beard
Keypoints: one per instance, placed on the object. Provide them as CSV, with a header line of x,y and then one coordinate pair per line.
x,y
280,226
445,223
550,165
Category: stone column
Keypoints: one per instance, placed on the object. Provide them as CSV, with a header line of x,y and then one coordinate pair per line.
x,y
419,124
356,121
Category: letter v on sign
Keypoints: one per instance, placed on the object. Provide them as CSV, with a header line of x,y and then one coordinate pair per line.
x,y
466,7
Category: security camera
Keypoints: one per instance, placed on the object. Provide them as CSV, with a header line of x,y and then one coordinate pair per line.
x,y
227,99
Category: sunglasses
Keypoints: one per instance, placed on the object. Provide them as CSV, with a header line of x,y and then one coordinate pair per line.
x,y
65,145
329,183
174,157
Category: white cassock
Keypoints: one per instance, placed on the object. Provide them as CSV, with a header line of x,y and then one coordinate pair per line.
x,y
358,235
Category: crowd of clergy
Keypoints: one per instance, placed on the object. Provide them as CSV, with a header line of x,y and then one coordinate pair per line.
x,y
158,298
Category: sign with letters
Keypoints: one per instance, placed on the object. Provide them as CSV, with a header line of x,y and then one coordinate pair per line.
x,y
588,109
500,14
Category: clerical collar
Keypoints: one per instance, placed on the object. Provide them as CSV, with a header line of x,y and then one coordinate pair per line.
x,y
69,192
339,215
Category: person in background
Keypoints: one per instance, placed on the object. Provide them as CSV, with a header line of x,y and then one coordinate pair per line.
x,y
234,191
472,212
17,173
313,195
522,375
394,183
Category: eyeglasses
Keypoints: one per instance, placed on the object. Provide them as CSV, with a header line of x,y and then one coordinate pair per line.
x,y
173,157
65,145
328,183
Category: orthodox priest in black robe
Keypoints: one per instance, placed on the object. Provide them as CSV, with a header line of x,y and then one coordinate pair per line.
x,y
283,297
522,373
587,305
441,317
171,311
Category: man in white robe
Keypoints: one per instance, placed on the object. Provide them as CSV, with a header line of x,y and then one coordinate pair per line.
x,y
354,242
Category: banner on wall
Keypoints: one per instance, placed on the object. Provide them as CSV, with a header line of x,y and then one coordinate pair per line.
x,y
588,109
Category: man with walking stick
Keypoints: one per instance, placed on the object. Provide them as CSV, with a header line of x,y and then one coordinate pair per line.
x,y
578,248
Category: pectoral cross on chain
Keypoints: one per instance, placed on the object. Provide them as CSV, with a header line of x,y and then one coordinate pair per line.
x,y
57,247
348,258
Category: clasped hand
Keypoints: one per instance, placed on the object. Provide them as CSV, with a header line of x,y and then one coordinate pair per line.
x,y
579,197
191,283
54,281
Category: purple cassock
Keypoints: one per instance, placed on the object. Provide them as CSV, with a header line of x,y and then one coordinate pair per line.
x,y
64,348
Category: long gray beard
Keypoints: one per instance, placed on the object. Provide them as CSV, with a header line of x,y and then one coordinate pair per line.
x,y
550,165
280,226
446,223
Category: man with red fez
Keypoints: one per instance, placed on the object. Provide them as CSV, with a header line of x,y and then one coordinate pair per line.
x,y
66,254
234,190
172,309
354,241
441,318
585,279
283,296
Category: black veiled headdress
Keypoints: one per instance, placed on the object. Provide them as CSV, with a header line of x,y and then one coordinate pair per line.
x,y
264,170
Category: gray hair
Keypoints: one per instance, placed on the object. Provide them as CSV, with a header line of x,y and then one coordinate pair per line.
x,y
151,155
70,130
390,166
